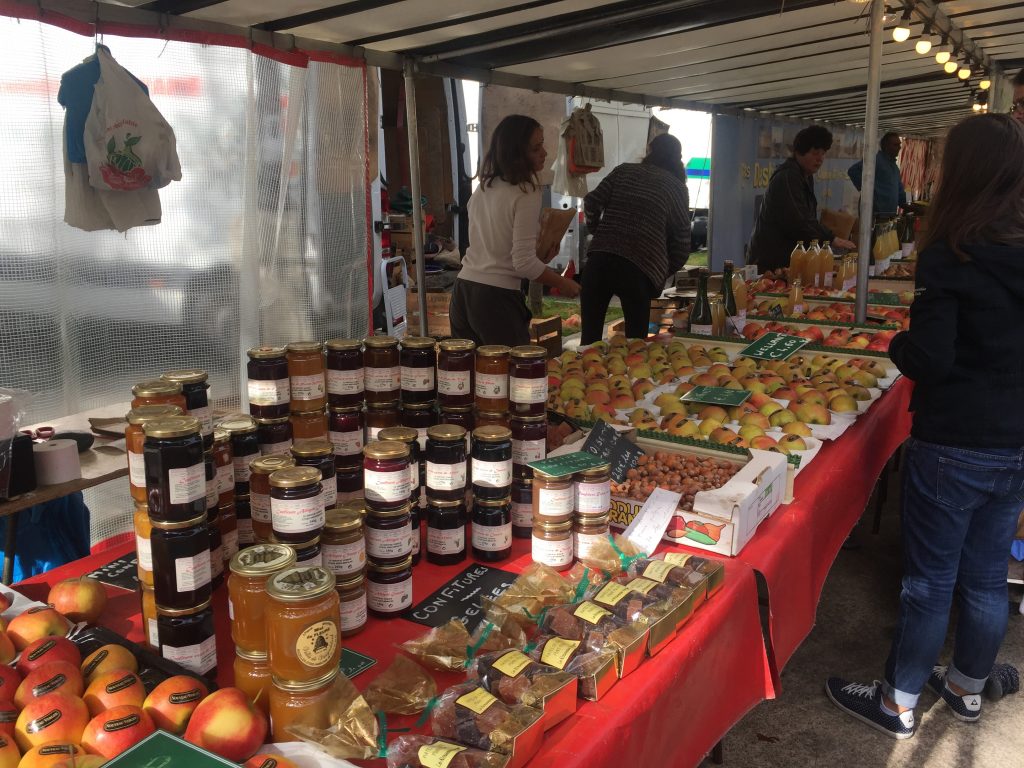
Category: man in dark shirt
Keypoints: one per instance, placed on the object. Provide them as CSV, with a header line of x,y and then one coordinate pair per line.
x,y
1017,108
889,194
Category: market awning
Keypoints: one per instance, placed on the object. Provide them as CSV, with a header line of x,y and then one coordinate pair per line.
x,y
698,168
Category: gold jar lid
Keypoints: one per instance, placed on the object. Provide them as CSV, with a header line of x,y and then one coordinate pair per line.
x,y
266,465
401,565
344,409
389,407
398,434
493,350
295,477
600,469
172,426
447,433
186,376
444,503
457,345
269,422
502,502
239,424
301,583
265,353
343,345
492,434
176,612
312,447
484,414
292,686
405,509
386,449
353,506
598,519
418,342
262,560
380,342
304,346
530,419
156,388
339,520
456,409
561,526
529,351
417,406
145,413
220,436
253,656
351,582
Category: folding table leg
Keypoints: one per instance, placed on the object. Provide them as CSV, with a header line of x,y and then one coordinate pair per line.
x,y
881,495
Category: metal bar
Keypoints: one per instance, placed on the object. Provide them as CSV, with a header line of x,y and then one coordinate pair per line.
x,y
178,7
10,548
323,14
867,186
412,128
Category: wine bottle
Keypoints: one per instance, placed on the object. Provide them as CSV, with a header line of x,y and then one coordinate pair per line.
x,y
728,300
739,291
700,316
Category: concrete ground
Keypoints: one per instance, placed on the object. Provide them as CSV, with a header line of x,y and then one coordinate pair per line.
x,y
855,622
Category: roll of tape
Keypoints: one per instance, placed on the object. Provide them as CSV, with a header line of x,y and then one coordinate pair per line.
x,y
56,462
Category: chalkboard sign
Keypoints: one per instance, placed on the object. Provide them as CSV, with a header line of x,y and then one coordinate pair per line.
x,y
120,573
161,750
774,346
352,663
604,441
461,597
717,396
567,464
885,299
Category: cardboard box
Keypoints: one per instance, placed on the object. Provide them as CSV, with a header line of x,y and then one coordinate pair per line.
x,y
601,681
547,332
438,320
560,703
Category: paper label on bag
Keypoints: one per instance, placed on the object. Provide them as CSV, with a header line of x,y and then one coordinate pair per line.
x,y
311,387
389,543
612,594
282,448
454,382
492,474
522,514
259,507
658,570
296,515
492,538
651,522
187,484
145,552
276,392
641,585
525,451
555,502
386,486
225,478
353,613
137,469
557,652
347,443
478,700
382,379
556,554
446,541
438,755
417,379
512,663
199,658
192,573
590,612
389,598
491,385
526,391
593,498
677,558
204,415
446,477
345,382
343,559
241,465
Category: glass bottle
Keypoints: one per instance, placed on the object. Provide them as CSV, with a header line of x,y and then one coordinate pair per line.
x,y
810,266
739,290
796,297
796,261
728,300
825,266
700,314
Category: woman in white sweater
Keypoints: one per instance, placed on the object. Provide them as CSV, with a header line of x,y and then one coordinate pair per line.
x,y
504,221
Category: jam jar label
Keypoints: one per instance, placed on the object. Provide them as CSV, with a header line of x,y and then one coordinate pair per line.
x,y
492,538
225,478
389,543
343,559
417,379
454,383
522,514
492,474
205,417
199,658
187,484
557,554
593,498
585,543
311,387
152,633
276,449
446,541
317,644
386,486
347,443
439,755
241,464
446,477
353,613
193,573
229,543
246,536
145,553
389,598
528,390
216,562
525,451
382,379
491,385
137,469
211,493
330,492
273,392
345,382
259,507
556,502
297,515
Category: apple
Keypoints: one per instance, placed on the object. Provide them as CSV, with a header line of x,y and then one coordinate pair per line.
x,y
842,404
116,688
714,412
811,413
81,599
797,428
47,649
172,702
685,428
812,396
769,408
111,732
7,652
707,426
53,755
782,418
84,761
227,724
789,443
54,717
269,761
8,716
763,443
54,676
10,756
749,432
725,436
757,419
106,658
35,623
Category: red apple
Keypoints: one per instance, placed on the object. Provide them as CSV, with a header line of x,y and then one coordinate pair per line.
x,y
107,658
83,761
41,621
117,688
60,676
9,682
269,761
52,755
112,732
172,703
54,717
228,724
7,652
10,756
8,716
80,599
47,649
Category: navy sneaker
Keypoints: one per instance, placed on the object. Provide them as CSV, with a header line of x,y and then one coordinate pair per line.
x,y
864,702
966,708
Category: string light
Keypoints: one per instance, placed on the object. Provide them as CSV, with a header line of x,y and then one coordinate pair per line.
x,y
950,67
985,84
901,32
964,73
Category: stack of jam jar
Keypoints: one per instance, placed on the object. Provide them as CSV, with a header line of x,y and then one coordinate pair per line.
x,y
570,514
388,529
270,395
527,394
446,478
346,420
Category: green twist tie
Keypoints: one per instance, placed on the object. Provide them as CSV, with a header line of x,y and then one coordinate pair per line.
x,y
530,648
426,711
625,559
382,734
581,588
537,618
472,649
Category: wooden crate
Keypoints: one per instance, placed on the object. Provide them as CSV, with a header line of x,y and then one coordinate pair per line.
x,y
547,332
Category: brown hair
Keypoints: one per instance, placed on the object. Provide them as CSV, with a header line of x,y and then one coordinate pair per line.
x,y
508,155
980,198
666,152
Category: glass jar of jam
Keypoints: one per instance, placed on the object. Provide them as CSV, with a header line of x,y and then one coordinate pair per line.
x,y
306,376
386,483
175,469
491,386
210,469
587,532
529,443
342,544
528,381
228,532
420,417
143,548
352,594
195,388
344,373
446,462
553,497
243,521
415,515
460,417
307,553
309,425
418,364
455,360
225,465
149,626
187,638
389,588
492,529
350,483
294,702
181,563
245,446
552,544
491,467
378,418
268,386
446,532
302,620
492,419
252,677
259,485
382,372
408,436
593,491
522,507
274,435
296,504
319,454
216,552
134,440
346,432
388,534
158,392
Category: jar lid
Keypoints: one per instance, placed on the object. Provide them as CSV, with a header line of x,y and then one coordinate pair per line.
x,y
527,481
186,376
301,583
172,426
502,502
401,565
398,434
317,446
340,520
176,612
266,465
482,414
344,409
418,406
250,655
405,509
444,503
529,351
262,559
457,345
492,434
389,407
156,388
343,345
300,546
275,420
386,449
530,419
351,582
379,342
546,476
553,527
265,353
418,342
456,409
600,469
493,350
598,519
295,477
447,432
145,413
220,436
293,686
304,346
239,424
353,506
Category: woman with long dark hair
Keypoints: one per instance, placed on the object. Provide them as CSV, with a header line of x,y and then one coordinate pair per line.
x,y
504,222
640,218
963,477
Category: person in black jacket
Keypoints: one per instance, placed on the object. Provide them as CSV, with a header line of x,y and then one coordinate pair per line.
x,y
789,210
963,477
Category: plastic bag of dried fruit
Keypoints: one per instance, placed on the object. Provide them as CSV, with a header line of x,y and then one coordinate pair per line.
x,y
515,678
611,555
536,588
429,751
451,647
598,628
343,725
572,657
471,715
404,688
629,605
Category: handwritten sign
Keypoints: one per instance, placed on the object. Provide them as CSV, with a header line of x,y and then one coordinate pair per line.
x,y
121,573
773,346
652,520
460,597
605,442
567,464
885,299
352,662
162,750
716,395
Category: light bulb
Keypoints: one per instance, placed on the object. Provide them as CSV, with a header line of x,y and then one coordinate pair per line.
x,y
923,46
976,107
900,33
942,57
950,67
985,85
964,73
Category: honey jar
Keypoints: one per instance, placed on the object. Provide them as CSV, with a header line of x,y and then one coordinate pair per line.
x,y
491,385
249,571
302,619
143,548
309,425
306,376
378,417
158,392
252,677
149,626
307,702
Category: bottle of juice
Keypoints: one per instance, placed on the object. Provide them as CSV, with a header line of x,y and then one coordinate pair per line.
x,y
796,261
739,291
825,263
810,267
796,297
840,278
850,279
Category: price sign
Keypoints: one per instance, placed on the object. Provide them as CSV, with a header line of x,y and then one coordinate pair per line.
x,y
605,441
716,395
885,299
162,749
352,662
569,464
774,346
652,520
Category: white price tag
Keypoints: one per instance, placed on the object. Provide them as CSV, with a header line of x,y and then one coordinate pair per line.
x,y
652,520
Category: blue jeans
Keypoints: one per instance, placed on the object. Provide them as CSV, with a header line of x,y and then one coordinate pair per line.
x,y
960,508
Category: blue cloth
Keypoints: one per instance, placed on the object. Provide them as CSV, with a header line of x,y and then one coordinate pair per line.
x,y
960,508
889,192
50,535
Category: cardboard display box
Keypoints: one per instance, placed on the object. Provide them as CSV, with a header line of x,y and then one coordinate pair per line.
x,y
438,320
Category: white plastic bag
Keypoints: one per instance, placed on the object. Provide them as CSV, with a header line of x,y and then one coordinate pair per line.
x,y
128,143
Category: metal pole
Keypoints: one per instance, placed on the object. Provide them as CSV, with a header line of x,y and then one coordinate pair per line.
x,y
412,127
867,185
